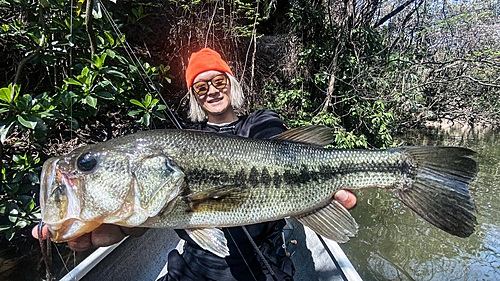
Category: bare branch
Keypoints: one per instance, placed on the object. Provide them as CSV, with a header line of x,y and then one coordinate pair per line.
x,y
393,13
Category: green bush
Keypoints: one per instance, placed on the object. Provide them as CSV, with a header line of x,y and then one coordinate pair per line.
x,y
61,83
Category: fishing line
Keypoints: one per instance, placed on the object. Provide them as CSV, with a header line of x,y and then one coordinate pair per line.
x,y
46,250
242,256
260,253
61,257
70,87
137,63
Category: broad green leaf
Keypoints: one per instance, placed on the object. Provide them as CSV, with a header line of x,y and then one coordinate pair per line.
x,y
122,59
85,71
34,177
5,129
5,94
159,115
103,84
26,123
92,101
103,58
96,11
135,112
105,95
13,187
146,119
164,68
9,234
5,227
115,73
110,52
21,224
41,131
138,103
147,100
72,82
13,215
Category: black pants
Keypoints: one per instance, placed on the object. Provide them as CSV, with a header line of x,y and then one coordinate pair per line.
x,y
197,264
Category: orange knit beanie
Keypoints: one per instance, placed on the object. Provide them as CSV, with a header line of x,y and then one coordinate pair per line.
x,y
204,60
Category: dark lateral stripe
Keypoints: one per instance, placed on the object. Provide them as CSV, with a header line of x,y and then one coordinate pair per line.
x,y
303,175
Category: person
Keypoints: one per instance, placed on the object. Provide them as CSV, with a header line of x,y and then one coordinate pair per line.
x,y
215,95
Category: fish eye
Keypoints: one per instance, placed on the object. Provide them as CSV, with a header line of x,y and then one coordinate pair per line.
x,y
86,162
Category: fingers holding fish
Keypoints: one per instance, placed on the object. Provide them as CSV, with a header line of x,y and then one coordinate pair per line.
x,y
103,236
346,198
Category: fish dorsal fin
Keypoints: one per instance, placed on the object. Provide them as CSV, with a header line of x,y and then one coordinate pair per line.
x,y
313,134
210,239
333,222
221,198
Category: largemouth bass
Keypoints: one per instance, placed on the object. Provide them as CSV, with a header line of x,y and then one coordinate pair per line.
x,y
202,181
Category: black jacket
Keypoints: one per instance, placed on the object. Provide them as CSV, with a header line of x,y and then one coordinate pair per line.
x,y
261,124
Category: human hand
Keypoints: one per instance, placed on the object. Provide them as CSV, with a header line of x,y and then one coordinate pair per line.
x,y
104,235
346,198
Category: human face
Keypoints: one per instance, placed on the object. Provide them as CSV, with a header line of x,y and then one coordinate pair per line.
x,y
216,102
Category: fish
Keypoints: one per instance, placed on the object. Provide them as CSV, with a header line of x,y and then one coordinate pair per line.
x,y
203,181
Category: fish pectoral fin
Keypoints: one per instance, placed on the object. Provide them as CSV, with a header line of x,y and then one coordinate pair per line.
x,y
221,198
313,134
333,222
210,239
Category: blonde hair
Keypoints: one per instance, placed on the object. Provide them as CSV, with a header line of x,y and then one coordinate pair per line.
x,y
197,114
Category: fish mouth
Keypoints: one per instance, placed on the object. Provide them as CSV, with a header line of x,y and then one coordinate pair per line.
x,y
70,229
59,203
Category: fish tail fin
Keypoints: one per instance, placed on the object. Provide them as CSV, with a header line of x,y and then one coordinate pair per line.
x,y
436,186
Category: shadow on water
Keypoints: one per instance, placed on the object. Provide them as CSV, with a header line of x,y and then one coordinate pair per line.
x,y
396,244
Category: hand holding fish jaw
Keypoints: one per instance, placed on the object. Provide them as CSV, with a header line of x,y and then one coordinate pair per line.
x,y
108,234
103,236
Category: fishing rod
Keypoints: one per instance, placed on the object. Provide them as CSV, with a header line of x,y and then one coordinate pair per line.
x,y
137,64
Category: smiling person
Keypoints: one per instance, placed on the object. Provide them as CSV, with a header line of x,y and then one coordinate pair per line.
x,y
214,96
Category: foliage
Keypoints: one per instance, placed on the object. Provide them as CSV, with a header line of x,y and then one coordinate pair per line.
x,y
338,84
444,63
149,107
369,70
61,83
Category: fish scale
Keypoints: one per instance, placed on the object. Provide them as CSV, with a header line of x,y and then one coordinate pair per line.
x,y
290,162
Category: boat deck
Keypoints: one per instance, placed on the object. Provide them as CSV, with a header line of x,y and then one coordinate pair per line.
x,y
145,258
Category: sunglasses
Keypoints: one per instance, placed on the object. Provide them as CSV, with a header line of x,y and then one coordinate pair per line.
x,y
201,87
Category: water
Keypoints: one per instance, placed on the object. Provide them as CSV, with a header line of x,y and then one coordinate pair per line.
x,y
396,244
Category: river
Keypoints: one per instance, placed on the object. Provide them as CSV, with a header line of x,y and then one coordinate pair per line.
x,y
396,244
